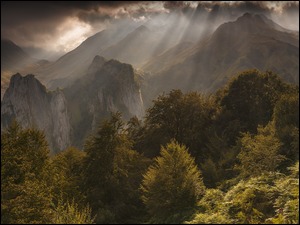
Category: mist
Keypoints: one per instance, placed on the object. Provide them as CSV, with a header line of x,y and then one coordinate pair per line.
x,y
61,27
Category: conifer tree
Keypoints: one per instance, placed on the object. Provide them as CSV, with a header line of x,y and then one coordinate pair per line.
x,y
25,195
172,185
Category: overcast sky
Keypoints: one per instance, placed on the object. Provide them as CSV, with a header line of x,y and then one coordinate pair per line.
x,y
61,26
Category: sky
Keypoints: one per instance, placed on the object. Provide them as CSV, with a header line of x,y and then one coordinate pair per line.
x,y
60,26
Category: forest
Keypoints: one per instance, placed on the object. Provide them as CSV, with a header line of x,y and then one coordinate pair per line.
x,y
231,157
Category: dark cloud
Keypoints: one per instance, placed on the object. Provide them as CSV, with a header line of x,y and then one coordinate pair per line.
x,y
174,5
14,12
290,7
34,22
234,8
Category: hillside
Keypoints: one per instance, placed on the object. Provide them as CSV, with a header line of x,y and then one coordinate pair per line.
x,y
249,42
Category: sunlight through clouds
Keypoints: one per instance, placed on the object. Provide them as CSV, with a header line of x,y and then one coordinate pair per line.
x,y
73,33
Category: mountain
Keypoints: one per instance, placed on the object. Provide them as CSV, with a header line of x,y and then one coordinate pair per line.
x,y
94,85
27,101
139,46
13,58
251,41
75,63
133,47
108,86
67,116
126,49
168,58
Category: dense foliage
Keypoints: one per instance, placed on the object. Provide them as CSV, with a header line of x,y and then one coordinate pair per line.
x,y
228,157
172,185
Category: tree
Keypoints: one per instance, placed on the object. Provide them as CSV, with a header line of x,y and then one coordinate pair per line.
x,y
112,173
287,202
286,122
251,97
211,209
69,213
183,117
259,153
25,192
67,169
172,185
251,201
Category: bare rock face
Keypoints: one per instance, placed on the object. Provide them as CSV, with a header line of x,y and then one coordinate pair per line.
x,y
109,86
120,87
61,124
27,101
67,116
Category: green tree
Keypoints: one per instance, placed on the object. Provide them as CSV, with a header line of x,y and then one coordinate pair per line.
x,y
259,153
183,117
211,209
69,213
172,185
251,97
25,196
251,201
287,202
112,173
220,159
286,122
67,177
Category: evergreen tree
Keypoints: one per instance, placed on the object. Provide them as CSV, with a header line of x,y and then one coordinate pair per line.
x,y
172,185
112,174
25,195
67,177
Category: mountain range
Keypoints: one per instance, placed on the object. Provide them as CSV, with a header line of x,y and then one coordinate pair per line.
x,y
252,41
121,70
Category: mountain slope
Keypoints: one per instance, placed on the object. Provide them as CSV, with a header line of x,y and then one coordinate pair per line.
x,y
133,48
249,42
138,46
168,58
75,63
12,56
13,59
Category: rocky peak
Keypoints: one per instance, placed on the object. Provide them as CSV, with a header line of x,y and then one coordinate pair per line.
x,y
111,73
98,60
243,28
27,81
118,70
253,22
96,64
28,101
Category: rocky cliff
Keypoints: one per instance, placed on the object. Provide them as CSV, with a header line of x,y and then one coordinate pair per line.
x,y
27,101
67,116
109,86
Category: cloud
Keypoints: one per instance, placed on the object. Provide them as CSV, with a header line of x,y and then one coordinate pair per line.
x,y
40,23
35,23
